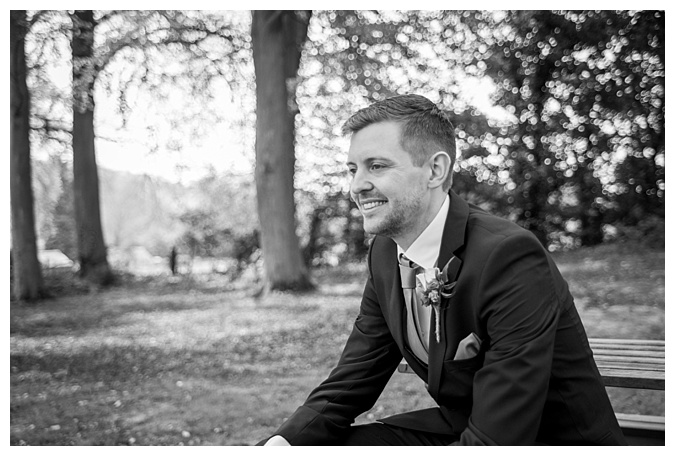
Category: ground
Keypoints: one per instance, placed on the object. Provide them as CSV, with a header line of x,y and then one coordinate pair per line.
x,y
200,361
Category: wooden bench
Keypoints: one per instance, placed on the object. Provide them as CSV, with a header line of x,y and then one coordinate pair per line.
x,y
637,364
625,363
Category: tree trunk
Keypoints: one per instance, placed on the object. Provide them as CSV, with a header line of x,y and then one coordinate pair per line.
x,y
90,244
354,234
27,275
314,234
277,39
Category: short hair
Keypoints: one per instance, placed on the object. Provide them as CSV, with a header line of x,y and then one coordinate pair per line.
x,y
425,129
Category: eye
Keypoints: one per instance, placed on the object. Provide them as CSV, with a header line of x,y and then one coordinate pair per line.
x,y
351,170
376,166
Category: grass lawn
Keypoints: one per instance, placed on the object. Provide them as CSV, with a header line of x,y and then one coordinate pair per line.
x,y
199,361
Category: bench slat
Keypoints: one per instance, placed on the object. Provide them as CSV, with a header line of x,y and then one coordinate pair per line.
x,y
643,429
635,358
642,369
638,348
624,342
643,421
636,354
637,364
620,380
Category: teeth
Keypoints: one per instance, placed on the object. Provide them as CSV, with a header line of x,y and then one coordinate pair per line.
x,y
373,204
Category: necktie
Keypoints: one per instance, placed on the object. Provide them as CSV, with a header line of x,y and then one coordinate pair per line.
x,y
418,317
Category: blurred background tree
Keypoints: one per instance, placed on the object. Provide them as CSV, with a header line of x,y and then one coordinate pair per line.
x,y
24,266
91,248
277,39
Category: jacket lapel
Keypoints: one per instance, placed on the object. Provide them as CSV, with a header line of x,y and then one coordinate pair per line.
x,y
452,241
397,309
455,227
397,312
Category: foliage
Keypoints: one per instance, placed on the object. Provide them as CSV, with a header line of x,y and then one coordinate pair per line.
x,y
138,54
575,142
650,230
586,90
62,236
199,60
203,235
139,210
48,186
218,217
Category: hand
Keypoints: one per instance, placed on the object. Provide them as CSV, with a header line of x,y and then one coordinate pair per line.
x,y
277,440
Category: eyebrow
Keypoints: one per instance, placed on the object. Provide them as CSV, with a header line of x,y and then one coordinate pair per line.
x,y
370,160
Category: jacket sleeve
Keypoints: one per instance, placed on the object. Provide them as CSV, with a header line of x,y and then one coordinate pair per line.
x,y
367,362
520,308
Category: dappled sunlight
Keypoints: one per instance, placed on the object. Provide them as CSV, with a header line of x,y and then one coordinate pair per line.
x,y
355,290
622,321
586,266
619,274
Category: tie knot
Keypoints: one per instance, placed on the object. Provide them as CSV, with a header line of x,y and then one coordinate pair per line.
x,y
408,271
407,262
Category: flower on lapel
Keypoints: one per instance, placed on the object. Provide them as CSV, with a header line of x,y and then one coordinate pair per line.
x,y
433,289
429,286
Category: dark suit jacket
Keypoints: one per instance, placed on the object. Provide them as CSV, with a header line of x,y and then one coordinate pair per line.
x,y
534,379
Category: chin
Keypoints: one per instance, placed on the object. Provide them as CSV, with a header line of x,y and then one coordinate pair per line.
x,y
379,228
371,227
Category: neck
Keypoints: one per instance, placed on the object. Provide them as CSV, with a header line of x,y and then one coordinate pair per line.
x,y
405,240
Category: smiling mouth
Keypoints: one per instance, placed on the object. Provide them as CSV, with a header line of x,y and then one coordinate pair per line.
x,y
372,205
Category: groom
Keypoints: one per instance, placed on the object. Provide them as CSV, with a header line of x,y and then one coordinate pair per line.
x,y
473,303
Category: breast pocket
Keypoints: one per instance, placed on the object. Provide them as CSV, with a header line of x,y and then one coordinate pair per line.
x,y
457,381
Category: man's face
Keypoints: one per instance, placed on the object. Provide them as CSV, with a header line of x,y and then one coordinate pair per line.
x,y
390,191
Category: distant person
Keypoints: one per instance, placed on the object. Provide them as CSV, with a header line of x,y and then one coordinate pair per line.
x,y
473,303
173,260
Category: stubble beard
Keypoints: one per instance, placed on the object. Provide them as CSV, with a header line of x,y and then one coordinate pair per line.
x,y
400,218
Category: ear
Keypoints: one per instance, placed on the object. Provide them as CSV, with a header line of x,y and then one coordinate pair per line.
x,y
439,164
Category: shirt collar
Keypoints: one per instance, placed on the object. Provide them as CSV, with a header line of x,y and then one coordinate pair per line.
x,y
424,250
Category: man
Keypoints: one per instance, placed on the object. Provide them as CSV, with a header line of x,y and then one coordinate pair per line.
x,y
473,303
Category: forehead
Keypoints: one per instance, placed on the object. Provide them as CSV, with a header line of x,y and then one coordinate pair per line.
x,y
378,139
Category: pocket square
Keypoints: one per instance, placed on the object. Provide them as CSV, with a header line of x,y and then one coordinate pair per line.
x,y
468,347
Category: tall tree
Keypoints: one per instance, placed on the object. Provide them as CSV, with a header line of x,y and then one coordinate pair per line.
x,y
90,244
636,79
277,38
26,267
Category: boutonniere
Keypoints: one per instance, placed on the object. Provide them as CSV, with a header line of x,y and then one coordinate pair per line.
x,y
434,289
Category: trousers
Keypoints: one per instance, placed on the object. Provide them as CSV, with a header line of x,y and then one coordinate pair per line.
x,y
380,434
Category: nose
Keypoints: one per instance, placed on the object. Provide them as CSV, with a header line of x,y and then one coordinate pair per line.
x,y
360,183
